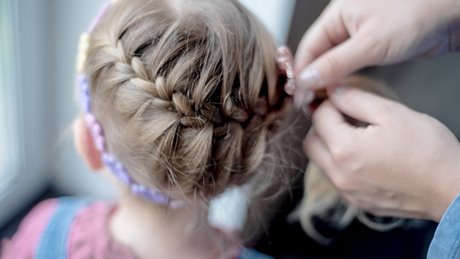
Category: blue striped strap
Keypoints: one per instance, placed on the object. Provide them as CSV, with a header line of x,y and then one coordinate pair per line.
x,y
54,240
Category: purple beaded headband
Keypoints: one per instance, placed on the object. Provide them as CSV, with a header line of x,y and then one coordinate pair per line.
x,y
97,132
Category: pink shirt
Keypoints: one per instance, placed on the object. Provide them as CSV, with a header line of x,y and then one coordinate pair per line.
x,y
85,234
89,235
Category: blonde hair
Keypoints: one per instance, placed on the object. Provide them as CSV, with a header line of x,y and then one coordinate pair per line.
x,y
187,92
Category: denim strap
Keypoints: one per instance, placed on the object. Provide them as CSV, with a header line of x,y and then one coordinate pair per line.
x,y
54,240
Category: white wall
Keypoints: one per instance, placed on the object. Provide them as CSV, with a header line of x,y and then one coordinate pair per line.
x,y
69,18
275,14
32,121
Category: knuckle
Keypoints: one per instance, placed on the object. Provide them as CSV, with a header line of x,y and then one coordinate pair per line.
x,y
342,182
373,47
377,49
331,63
341,153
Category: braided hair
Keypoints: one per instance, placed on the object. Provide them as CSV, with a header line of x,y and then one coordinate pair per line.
x,y
187,92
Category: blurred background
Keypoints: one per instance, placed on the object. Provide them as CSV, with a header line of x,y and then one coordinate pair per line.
x,y
38,44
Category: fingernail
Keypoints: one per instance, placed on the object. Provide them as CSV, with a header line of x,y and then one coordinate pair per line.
x,y
303,97
309,77
299,96
289,88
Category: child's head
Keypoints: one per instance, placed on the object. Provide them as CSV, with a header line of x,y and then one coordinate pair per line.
x,y
187,92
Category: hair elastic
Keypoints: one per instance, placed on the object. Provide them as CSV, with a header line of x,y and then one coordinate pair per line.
x,y
97,131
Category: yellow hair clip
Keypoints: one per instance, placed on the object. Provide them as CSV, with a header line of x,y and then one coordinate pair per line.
x,y
82,55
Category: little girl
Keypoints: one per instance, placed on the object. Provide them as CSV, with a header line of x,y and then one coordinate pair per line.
x,y
182,100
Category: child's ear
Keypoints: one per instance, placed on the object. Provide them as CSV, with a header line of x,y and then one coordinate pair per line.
x,y
85,145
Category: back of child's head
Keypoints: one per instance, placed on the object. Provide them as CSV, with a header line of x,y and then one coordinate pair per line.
x,y
187,91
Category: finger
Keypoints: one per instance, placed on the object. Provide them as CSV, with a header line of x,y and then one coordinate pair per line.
x,y
336,63
327,31
317,151
362,105
330,125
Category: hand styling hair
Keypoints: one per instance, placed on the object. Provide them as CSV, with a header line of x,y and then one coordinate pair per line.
x,y
323,212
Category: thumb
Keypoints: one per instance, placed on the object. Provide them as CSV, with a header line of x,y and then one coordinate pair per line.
x,y
340,61
360,105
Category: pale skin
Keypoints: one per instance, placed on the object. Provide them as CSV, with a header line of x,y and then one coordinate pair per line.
x,y
391,167
149,230
404,163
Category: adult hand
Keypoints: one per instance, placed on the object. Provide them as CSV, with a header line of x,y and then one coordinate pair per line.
x,y
352,34
404,164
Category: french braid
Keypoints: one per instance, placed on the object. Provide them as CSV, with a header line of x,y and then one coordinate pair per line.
x,y
188,98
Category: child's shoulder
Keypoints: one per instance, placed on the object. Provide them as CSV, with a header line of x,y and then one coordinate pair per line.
x,y
63,228
25,241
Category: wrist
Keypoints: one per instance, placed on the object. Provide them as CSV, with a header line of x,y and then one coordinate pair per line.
x,y
440,206
447,190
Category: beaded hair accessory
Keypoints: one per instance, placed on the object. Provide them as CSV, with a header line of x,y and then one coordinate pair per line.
x,y
117,168
285,61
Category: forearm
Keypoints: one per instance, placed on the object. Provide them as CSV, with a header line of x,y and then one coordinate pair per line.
x,y
447,185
